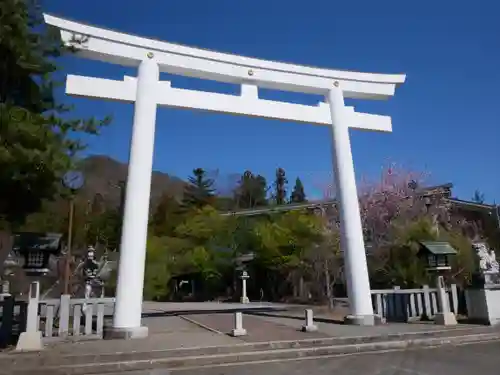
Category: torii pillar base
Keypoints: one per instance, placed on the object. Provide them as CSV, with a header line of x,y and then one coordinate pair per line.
x,y
113,333
30,342
364,320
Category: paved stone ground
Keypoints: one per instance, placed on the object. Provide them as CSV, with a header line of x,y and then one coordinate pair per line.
x,y
170,332
258,329
167,332
483,359
350,330
338,313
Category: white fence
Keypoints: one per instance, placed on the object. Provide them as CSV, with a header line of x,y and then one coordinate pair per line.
x,y
66,317
404,305
73,317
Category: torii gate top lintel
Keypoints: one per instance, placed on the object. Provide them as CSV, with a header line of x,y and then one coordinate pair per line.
x,y
115,47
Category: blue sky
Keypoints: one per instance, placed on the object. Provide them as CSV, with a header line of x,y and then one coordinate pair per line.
x,y
446,118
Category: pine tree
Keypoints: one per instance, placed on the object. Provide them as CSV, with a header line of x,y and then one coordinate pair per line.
x,y
280,186
37,137
200,190
298,193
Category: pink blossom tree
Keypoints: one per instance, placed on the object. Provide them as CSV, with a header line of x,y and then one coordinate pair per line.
x,y
397,211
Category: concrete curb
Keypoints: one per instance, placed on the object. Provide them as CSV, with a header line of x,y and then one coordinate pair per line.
x,y
249,357
212,356
49,358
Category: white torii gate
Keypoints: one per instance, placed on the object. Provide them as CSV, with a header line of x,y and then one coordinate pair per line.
x,y
147,91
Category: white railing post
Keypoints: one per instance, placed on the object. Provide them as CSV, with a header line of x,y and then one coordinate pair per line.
x,y
49,320
77,318
444,316
100,319
378,303
427,302
454,297
31,339
412,306
64,315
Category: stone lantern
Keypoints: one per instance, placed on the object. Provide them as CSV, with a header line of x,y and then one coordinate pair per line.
x,y
9,265
437,258
436,255
36,249
244,277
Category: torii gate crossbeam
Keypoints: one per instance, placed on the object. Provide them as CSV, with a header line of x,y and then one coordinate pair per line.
x,y
147,91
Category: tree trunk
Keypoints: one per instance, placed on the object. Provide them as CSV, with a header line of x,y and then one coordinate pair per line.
x,y
301,287
293,281
328,286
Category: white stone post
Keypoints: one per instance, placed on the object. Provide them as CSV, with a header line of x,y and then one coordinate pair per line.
x,y
128,309
238,325
352,242
444,316
309,325
31,339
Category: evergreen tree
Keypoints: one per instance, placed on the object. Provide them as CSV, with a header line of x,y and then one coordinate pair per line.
x,y
298,193
280,186
251,191
166,216
105,229
37,137
200,191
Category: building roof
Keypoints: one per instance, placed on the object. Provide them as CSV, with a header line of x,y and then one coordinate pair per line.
x,y
438,248
472,205
310,205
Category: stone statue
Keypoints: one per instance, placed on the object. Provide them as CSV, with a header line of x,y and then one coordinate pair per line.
x,y
493,258
91,270
488,265
90,267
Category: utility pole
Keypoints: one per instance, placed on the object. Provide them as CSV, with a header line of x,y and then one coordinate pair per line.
x,y
67,269
74,181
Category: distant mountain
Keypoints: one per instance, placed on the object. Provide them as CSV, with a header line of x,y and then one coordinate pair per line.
x,y
103,175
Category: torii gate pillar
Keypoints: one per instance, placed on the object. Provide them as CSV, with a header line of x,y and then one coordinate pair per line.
x,y
129,289
351,230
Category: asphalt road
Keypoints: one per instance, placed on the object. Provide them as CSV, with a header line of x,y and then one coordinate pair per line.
x,y
480,359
